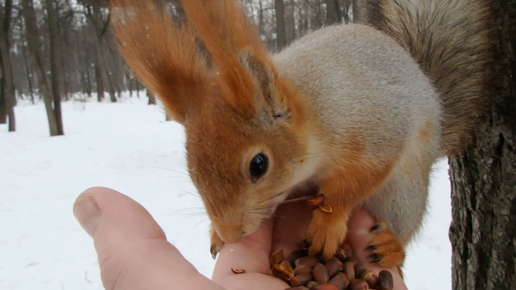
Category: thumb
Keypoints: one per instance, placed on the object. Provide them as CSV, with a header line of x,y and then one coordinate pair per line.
x,y
132,249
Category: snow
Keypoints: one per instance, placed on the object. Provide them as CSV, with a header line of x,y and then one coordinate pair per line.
x,y
129,147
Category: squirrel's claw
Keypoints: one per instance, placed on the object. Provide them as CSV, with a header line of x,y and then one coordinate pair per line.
x,y
216,244
326,233
386,250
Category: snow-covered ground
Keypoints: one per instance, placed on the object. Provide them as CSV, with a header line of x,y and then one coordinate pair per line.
x,y
129,147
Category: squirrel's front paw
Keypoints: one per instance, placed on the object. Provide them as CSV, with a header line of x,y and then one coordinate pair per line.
x,y
327,232
216,243
386,250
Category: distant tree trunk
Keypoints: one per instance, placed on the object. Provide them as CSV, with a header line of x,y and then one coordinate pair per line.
x,y
33,50
99,81
358,10
261,22
281,37
483,231
3,107
55,65
8,92
345,11
152,99
331,12
87,82
138,88
101,61
27,69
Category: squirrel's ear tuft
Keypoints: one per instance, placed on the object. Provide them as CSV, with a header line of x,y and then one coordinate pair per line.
x,y
262,71
162,54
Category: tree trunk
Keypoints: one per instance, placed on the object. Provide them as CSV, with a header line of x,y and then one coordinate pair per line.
x,y
55,65
483,230
27,69
345,11
281,37
8,91
3,109
99,25
152,99
261,21
33,46
331,12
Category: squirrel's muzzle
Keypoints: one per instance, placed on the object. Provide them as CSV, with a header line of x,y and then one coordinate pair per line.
x,y
231,234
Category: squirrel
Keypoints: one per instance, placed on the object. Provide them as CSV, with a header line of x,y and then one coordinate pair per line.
x,y
360,111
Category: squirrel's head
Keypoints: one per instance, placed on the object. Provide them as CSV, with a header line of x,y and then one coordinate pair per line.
x,y
246,139
245,162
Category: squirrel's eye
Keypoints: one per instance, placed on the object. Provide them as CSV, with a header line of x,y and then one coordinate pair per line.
x,y
258,166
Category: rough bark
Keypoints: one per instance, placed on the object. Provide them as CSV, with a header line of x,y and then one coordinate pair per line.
x,y
483,230
55,65
34,55
281,34
8,92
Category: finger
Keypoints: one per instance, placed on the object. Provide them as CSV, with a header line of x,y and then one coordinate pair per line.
x,y
132,249
250,254
359,237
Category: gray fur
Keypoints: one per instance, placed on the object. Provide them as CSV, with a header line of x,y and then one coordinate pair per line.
x,y
362,82
428,65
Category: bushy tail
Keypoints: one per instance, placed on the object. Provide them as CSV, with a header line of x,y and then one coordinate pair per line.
x,y
451,40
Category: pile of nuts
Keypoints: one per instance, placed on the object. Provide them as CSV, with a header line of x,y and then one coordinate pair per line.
x,y
342,272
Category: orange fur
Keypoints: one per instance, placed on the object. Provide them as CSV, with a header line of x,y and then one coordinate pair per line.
x,y
425,133
343,189
226,31
161,54
386,248
238,108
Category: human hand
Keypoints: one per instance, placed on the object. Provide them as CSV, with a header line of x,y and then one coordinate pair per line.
x,y
133,252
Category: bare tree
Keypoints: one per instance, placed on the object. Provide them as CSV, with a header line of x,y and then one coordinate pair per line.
x,y
281,34
55,67
35,56
332,11
483,231
7,92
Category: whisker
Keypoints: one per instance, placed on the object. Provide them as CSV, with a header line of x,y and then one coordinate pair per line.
x,y
304,159
183,211
167,177
169,169
298,199
196,195
202,220
304,154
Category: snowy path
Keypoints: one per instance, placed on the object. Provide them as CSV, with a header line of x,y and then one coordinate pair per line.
x,y
129,147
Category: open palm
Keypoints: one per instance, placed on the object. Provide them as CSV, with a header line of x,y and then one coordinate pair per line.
x,y
134,254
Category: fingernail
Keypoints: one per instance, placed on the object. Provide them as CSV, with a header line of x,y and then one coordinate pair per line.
x,y
88,214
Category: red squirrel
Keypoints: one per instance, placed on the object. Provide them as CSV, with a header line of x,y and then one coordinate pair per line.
x,y
361,111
